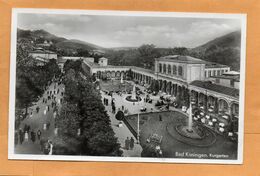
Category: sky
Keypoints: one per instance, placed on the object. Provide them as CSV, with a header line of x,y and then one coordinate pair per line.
x,y
130,31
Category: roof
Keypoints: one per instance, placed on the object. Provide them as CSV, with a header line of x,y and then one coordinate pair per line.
x,y
190,60
41,59
71,57
141,69
232,73
233,92
102,58
43,52
231,77
181,59
214,65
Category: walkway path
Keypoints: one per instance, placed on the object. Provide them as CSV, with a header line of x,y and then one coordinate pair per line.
x,y
121,132
36,122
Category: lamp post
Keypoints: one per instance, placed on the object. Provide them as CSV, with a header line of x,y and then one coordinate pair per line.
x,y
138,129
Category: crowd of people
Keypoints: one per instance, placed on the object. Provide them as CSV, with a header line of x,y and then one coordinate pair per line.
x,y
27,131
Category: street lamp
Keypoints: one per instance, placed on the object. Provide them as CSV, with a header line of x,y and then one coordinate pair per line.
x,y
138,128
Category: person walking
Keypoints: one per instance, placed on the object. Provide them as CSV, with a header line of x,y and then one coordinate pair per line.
x,y
37,109
48,125
54,114
26,136
16,137
39,133
51,148
21,135
32,136
127,143
28,128
132,143
46,148
113,109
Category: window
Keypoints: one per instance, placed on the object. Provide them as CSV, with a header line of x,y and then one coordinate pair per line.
x,y
164,68
214,73
160,68
205,74
218,72
180,71
169,69
209,73
174,69
222,71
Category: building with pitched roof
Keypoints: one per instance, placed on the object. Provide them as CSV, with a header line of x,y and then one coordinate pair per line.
x,y
42,53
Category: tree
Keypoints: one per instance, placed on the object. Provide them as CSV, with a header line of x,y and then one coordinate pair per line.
x,y
180,51
104,144
69,119
25,93
148,53
75,65
31,79
87,113
149,151
120,115
83,52
146,49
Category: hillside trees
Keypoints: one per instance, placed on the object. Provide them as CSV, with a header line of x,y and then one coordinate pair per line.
x,y
31,79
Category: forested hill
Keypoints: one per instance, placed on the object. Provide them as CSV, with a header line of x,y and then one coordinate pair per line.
x,y
224,50
59,43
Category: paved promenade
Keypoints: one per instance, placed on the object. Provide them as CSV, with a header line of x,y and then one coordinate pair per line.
x,y
36,122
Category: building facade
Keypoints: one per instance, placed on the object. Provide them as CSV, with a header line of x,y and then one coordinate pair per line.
x,y
178,76
45,54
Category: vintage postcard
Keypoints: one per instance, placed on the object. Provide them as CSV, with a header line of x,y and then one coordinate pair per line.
x,y
89,85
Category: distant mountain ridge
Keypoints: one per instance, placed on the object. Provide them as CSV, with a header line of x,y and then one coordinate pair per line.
x,y
231,40
59,42
224,50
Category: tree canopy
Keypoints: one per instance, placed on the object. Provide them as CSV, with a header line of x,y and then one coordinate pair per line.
x,y
31,79
84,110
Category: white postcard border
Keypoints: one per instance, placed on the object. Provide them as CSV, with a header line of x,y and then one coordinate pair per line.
x,y
16,11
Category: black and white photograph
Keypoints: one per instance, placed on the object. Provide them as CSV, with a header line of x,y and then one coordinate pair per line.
x,y
127,86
